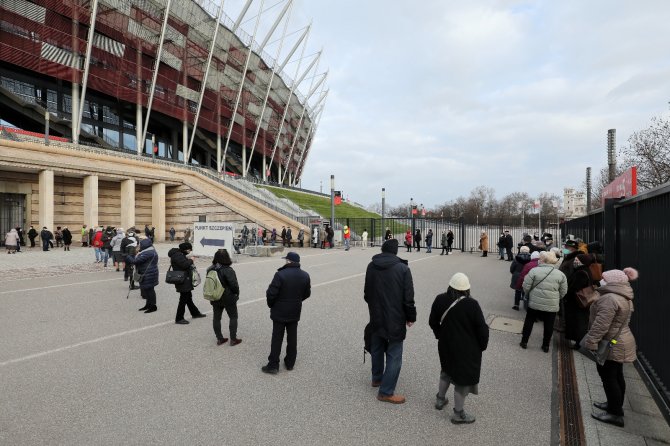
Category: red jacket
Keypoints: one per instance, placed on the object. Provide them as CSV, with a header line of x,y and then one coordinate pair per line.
x,y
408,238
97,240
527,267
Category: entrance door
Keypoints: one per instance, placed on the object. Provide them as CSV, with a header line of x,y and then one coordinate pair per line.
x,y
12,212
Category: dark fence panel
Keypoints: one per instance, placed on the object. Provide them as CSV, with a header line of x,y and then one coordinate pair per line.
x,y
641,239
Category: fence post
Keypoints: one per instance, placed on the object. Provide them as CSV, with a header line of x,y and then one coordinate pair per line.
x,y
461,228
610,229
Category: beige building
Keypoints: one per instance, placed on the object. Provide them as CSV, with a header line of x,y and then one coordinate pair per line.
x,y
574,203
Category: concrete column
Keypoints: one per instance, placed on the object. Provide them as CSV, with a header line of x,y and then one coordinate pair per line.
x,y
91,201
158,210
46,199
265,166
127,204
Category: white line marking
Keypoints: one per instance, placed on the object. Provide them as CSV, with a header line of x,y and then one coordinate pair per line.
x,y
148,327
58,286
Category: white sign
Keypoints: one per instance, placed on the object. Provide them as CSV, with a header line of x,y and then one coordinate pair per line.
x,y
211,236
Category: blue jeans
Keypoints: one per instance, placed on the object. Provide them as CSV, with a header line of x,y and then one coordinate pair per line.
x,y
387,375
430,247
501,251
346,244
98,254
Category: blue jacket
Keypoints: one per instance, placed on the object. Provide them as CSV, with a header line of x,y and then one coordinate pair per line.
x,y
146,262
289,287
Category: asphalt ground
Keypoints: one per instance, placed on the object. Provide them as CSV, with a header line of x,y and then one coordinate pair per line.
x,y
80,365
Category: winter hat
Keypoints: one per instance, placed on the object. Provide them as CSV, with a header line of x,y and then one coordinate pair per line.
x,y
390,246
460,282
293,257
535,255
556,251
186,246
548,257
525,249
119,230
572,244
618,276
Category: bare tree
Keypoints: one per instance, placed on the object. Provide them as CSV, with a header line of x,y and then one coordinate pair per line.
x,y
649,150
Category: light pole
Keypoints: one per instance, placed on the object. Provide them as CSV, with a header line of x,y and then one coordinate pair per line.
x,y
411,209
383,231
332,201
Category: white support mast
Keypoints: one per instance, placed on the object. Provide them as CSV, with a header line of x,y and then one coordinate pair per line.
x,y
87,64
157,63
239,91
203,86
267,91
312,131
242,14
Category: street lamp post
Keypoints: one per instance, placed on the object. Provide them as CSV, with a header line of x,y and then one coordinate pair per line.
x,y
411,209
383,231
332,201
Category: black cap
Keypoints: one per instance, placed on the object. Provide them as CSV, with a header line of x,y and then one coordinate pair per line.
x,y
292,256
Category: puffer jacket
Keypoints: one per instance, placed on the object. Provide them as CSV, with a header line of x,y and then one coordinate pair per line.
x,y
289,287
12,238
116,241
516,267
524,272
607,314
547,292
147,264
389,292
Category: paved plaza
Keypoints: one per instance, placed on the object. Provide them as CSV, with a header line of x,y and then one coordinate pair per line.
x,y
80,365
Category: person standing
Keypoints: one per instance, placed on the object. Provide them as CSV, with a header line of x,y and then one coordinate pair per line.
x,y
429,241
408,240
84,236
97,245
146,262
231,294
301,238
484,244
450,241
443,243
417,239
67,239
152,233
91,235
347,237
331,236
283,235
388,235
179,262
575,317
462,333
59,237
172,233
128,245
515,269
46,237
609,318
389,293
11,240
32,235
273,237
364,238
20,242
290,286
323,235
187,234
115,244
509,246
289,237
106,241
501,246
545,286
147,231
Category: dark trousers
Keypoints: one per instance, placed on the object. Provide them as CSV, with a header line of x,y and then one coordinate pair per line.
x,y
45,245
449,247
510,255
231,310
611,374
417,245
32,242
444,249
518,295
150,295
278,329
186,300
548,320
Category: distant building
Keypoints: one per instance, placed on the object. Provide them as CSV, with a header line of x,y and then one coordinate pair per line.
x,y
574,203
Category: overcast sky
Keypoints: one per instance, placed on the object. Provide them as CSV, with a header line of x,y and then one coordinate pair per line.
x,y
433,98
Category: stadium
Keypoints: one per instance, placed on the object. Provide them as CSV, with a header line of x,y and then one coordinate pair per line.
x,y
176,83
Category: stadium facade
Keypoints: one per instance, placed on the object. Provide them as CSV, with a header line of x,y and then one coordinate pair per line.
x,y
88,71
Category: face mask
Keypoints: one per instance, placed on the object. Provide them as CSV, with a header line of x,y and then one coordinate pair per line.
x,y
565,251
577,263
603,283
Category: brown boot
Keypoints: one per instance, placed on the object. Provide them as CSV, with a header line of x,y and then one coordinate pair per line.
x,y
394,399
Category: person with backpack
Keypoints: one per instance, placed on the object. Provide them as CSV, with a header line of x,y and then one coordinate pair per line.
x,y
179,262
462,333
128,246
290,286
223,292
146,262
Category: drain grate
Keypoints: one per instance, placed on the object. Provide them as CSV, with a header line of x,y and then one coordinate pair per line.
x,y
571,423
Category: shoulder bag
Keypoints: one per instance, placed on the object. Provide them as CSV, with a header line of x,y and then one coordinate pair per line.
x,y
587,295
175,277
532,287
450,307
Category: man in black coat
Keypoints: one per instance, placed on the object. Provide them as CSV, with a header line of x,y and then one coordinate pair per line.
x,y
32,235
389,292
509,246
289,287
46,237
179,262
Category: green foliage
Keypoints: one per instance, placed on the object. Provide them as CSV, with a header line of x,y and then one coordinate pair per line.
x,y
321,204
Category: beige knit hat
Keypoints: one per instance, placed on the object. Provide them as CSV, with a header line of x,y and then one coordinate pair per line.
x,y
460,282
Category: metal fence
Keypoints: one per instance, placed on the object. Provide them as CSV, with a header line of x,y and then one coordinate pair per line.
x,y
636,233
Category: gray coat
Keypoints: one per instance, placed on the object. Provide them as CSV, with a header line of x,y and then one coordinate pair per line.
x,y
547,292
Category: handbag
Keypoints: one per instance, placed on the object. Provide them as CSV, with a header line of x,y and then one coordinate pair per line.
x,y
586,296
195,277
604,345
175,277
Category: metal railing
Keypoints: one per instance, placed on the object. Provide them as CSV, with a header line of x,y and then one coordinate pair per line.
x,y
635,233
